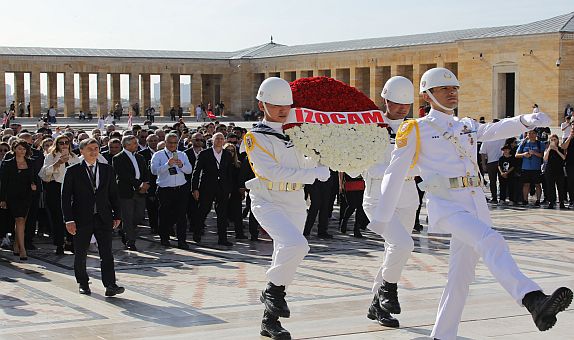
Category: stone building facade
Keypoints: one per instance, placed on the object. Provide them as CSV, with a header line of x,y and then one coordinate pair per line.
x,y
503,70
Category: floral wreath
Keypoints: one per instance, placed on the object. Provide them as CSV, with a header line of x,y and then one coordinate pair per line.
x,y
342,147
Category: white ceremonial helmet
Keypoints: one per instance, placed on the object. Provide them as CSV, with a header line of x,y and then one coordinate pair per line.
x,y
436,77
275,91
399,90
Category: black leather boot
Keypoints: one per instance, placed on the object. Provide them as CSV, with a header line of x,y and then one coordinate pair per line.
x,y
383,317
271,327
388,298
274,299
545,307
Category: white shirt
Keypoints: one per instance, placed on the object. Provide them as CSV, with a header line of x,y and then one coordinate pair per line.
x,y
198,111
96,170
492,150
134,163
566,127
52,172
160,168
217,156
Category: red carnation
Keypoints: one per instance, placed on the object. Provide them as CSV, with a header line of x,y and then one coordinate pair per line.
x,y
329,95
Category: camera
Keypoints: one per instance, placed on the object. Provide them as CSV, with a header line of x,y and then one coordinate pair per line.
x,y
558,62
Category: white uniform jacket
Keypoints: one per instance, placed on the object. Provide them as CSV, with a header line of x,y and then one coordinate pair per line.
x,y
436,155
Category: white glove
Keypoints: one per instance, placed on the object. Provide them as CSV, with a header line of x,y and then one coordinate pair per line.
x,y
323,173
533,120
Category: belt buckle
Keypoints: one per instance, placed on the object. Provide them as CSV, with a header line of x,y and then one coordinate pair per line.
x,y
471,181
465,182
454,182
282,186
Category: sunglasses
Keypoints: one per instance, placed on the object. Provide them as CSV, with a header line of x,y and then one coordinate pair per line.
x,y
63,143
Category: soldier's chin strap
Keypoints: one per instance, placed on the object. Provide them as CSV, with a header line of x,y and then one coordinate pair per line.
x,y
437,103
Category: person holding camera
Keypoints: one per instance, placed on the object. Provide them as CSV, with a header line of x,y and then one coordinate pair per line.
x,y
170,166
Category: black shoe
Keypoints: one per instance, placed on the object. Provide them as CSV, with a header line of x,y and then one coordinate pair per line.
x,y
357,234
254,238
85,289
571,206
562,206
550,206
114,289
23,258
123,235
388,298
60,250
183,245
271,327
383,317
165,243
131,247
240,236
224,243
494,201
537,203
274,299
545,307
325,236
69,247
196,237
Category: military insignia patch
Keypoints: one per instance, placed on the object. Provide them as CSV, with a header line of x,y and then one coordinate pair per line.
x,y
249,142
404,131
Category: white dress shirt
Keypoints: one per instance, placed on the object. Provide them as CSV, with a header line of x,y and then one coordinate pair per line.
x,y
132,158
160,168
217,156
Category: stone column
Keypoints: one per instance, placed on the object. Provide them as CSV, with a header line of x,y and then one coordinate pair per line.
x,y
146,92
35,97
166,93
394,70
102,94
69,100
85,92
353,76
416,83
196,89
334,73
2,91
115,85
376,81
226,96
52,94
135,92
19,91
175,90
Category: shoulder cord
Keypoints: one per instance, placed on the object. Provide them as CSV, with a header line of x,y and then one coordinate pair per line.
x,y
449,137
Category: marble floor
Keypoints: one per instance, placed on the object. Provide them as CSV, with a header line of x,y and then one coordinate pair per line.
x,y
211,292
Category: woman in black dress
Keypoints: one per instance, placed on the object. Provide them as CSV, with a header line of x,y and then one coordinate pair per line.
x,y
18,182
237,195
554,157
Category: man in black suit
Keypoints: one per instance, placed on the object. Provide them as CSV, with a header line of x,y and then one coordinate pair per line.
x,y
197,142
151,202
211,181
133,183
114,147
91,205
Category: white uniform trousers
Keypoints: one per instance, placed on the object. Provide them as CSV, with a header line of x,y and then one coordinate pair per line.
x,y
398,244
282,215
472,238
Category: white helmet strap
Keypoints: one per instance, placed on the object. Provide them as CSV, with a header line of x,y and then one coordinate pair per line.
x,y
265,108
437,103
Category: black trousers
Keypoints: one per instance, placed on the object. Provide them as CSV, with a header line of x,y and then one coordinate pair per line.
x,y
508,188
234,211
192,211
32,218
172,209
555,179
54,203
152,206
421,195
492,169
570,173
320,193
253,223
354,201
206,199
103,233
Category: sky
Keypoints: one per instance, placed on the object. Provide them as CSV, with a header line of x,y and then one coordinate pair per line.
x,y
218,25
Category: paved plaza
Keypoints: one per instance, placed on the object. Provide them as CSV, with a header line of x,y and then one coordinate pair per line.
x,y
212,292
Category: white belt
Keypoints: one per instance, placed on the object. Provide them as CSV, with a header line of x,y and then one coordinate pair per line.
x,y
465,182
409,178
284,186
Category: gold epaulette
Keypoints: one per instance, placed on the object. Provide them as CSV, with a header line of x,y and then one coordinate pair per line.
x,y
402,137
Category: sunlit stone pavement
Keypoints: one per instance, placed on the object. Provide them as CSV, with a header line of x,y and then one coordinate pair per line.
x,y
211,292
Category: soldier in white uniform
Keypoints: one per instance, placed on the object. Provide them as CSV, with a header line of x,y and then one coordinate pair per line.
x,y
444,148
277,198
398,94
